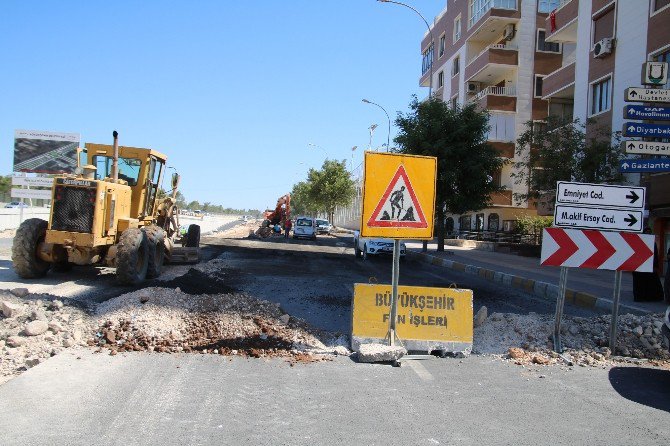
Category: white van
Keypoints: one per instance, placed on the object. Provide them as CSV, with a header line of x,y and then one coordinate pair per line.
x,y
304,227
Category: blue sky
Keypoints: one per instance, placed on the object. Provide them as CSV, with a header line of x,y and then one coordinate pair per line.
x,y
232,91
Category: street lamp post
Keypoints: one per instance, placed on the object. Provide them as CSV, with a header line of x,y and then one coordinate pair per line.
x,y
388,137
432,40
318,147
372,129
353,149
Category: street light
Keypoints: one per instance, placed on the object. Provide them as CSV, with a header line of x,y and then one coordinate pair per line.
x,y
388,137
372,129
353,149
432,40
318,147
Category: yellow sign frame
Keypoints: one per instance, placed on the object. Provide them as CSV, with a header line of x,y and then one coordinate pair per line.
x,y
426,315
381,171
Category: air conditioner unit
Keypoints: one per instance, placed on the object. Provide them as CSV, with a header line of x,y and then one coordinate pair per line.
x,y
473,87
508,33
602,48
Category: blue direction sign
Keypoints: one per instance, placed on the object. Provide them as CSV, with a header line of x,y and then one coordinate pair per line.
x,y
648,165
646,112
646,130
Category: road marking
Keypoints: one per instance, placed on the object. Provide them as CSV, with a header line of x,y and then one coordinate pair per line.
x,y
420,370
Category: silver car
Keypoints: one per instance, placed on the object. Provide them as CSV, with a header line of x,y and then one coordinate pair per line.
x,y
305,227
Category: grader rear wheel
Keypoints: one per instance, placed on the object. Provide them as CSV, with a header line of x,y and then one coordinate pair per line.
x,y
156,239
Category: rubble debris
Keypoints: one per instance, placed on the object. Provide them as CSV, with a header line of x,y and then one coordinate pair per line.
x,y
10,309
225,324
480,317
35,328
380,353
527,339
20,292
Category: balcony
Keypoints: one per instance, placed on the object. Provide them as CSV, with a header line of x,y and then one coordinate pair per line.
x,y
493,63
497,98
502,198
565,20
560,83
490,8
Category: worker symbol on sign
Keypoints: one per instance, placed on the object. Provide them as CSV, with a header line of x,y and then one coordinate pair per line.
x,y
398,206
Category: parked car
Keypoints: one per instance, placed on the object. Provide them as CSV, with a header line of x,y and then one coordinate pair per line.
x,y
323,226
305,227
16,204
364,247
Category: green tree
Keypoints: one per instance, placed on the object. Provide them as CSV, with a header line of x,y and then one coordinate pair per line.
x,y
561,151
5,186
466,163
193,205
330,187
301,203
181,200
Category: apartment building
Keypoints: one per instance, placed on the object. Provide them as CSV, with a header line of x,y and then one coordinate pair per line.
x,y
525,59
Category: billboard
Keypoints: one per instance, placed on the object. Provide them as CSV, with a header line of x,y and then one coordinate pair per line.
x,y
45,152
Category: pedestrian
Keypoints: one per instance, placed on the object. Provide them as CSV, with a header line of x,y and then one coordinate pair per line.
x,y
647,286
287,227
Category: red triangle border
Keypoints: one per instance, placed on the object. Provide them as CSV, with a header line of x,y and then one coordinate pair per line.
x,y
422,223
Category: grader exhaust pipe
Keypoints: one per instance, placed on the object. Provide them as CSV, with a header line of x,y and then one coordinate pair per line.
x,y
115,161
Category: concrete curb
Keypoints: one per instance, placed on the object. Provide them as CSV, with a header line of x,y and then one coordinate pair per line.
x,y
537,288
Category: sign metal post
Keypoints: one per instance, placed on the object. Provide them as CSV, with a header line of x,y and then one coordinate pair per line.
x,y
615,309
560,303
394,293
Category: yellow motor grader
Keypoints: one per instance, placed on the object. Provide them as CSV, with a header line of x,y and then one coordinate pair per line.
x,y
108,214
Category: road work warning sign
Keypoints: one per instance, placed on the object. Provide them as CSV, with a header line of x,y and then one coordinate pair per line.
x,y
398,196
428,318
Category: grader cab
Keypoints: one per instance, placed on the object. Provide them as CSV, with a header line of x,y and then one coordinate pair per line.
x,y
108,214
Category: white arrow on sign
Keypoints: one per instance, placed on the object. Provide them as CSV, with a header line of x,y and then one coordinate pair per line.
x,y
646,147
42,194
647,95
32,181
602,195
583,217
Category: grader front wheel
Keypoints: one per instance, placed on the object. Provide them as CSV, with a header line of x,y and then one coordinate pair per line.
x,y
24,250
132,257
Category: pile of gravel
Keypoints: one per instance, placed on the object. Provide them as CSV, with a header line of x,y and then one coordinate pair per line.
x,y
34,328
527,339
170,321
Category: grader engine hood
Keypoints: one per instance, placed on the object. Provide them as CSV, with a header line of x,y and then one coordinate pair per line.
x,y
73,205
87,212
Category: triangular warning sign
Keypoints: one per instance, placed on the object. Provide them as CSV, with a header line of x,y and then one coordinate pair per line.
x,y
398,206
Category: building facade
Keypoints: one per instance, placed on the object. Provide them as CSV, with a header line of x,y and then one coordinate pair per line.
x,y
523,60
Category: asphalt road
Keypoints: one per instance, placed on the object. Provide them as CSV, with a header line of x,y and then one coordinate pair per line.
x,y
318,286
157,399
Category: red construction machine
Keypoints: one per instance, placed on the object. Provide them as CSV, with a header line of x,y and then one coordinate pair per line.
x,y
281,213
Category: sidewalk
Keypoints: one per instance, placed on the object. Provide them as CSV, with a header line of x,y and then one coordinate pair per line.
x,y
586,287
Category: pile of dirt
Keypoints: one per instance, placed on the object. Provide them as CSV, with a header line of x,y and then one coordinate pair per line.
x,y
528,339
171,321
263,232
35,327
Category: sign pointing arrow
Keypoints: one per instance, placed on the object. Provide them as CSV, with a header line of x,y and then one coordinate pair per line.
x,y
616,251
631,220
633,197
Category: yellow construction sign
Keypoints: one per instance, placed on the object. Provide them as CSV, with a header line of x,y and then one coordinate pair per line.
x,y
434,315
398,196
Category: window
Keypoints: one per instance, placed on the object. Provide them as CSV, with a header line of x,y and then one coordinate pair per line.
x,y
449,224
455,67
663,57
457,28
479,222
600,96
442,43
538,86
660,4
427,60
494,222
129,168
464,223
440,79
479,7
603,25
453,102
545,46
546,6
